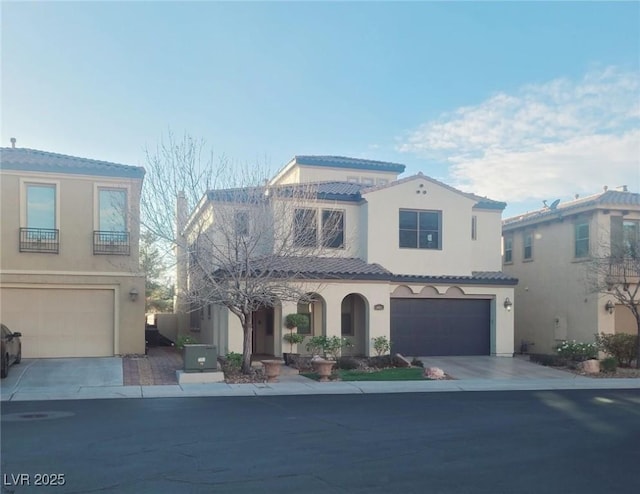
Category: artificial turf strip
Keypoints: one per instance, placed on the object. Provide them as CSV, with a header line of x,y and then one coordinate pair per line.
x,y
394,374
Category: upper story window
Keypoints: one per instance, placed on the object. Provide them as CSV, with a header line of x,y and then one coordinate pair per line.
x,y
332,228
112,236
581,239
625,237
508,249
420,229
527,243
305,228
39,229
112,210
631,237
241,220
474,227
367,181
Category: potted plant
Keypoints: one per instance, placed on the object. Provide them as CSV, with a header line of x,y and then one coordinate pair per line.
x,y
330,347
293,322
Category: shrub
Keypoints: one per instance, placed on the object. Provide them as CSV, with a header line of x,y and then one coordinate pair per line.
x,y
328,346
233,360
299,321
293,339
576,351
381,345
381,362
621,346
417,362
185,340
609,364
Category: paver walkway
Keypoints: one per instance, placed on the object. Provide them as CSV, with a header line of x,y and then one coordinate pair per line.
x,y
158,367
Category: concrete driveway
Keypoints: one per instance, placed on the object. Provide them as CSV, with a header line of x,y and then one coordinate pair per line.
x,y
62,373
486,367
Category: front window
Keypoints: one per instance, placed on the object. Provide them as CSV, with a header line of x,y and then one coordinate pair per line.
x,y
41,206
242,223
474,227
508,249
305,228
581,240
631,238
40,234
305,310
332,228
420,229
528,246
112,210
112,236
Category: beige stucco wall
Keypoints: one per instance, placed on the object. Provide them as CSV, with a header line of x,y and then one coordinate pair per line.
x,y
552,300
459,255
75,266
306,173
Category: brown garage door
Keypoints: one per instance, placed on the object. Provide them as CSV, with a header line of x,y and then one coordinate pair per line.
x,y
439,327
58,322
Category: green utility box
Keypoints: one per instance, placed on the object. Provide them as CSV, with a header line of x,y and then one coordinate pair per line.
x,y
200,358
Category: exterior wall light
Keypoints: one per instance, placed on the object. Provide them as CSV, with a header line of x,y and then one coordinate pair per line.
x,y
133,294
609,306
508,304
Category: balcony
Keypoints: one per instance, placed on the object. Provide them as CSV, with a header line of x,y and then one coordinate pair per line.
x,y
41,240
111,243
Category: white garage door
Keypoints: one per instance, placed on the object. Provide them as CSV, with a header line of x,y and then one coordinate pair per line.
x,y
57,322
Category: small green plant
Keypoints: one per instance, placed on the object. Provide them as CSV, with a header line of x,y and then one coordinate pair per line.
x,y
417,362
299,321
185,340
328,346
293,339
608,364
621,346
234,360
381,345
576,351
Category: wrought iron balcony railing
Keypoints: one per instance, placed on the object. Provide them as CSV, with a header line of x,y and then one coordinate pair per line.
x,y
43,240
624,267
111,243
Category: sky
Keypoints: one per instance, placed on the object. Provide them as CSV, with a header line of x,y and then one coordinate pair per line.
x,y
517,101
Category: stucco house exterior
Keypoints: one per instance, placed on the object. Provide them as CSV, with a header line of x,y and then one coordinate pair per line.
x,y
69,271
414,260
551,252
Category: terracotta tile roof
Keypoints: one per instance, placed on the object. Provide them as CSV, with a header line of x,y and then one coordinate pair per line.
x,y
44,161
476,278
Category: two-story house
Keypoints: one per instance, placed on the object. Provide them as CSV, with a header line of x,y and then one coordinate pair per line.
x,y
69,274
412,259
551,251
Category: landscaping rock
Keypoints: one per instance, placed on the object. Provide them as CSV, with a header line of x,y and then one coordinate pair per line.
x,y
590,366
400,361
434,373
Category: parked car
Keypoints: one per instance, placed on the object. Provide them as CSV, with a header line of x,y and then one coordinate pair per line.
x,y
11,347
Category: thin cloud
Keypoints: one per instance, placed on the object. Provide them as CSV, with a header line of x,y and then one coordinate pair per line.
x,y
552,139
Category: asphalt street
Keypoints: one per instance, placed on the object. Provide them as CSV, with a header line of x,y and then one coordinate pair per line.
x,y
583,441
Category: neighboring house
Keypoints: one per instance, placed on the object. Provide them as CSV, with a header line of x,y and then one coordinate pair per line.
x,y
414,260
550,251
69,275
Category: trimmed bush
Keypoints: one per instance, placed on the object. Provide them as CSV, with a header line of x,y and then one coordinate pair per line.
x,y
621,346
381,362
348,363
575,351
609,364
381,345
233,360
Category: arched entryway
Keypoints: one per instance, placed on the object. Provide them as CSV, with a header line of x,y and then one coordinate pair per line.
x,y
355,322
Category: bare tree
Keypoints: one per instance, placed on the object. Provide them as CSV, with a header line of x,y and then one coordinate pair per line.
x,y
245,245
252,247
617,274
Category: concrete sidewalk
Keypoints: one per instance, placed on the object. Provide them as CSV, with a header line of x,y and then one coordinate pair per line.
x,y
20,387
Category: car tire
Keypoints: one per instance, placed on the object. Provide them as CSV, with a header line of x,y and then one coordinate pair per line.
x,y
5,367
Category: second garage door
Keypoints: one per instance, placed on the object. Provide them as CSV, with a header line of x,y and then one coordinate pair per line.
x,y
440,327
58,322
